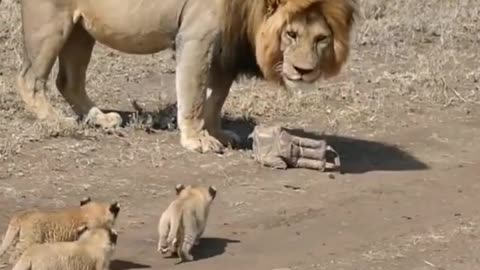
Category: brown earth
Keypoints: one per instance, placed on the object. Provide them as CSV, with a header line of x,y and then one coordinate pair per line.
x,y
403,115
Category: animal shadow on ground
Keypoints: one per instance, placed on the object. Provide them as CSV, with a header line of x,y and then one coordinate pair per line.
x,y
165,118
125,265
356,155
209,247
361,156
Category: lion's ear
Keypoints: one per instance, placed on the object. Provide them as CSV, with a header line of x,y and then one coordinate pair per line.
x,y
272,5
114,209
85,200
179,188
81,230
212,191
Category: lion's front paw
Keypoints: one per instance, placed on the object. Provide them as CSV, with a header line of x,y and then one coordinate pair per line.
x,y
202,142
105,120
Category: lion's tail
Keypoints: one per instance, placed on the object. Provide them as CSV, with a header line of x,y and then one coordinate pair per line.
x,y
11,235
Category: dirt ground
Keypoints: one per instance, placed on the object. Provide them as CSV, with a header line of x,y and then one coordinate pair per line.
x,y
403,115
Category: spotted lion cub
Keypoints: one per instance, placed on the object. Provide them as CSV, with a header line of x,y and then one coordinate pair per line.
x,y
182,224
92,251
37,226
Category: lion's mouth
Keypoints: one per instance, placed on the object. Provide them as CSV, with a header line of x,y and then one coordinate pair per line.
x,y
299,78
296,78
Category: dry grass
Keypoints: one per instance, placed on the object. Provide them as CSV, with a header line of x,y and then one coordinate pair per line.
x,y
409,58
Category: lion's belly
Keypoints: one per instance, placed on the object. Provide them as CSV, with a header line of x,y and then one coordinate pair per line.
x,y
133,42
137,27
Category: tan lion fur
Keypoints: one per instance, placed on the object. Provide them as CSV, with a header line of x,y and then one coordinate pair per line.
x,y
91,251
35,226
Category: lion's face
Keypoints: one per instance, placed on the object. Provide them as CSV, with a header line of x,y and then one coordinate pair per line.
x,y
306,41
302,41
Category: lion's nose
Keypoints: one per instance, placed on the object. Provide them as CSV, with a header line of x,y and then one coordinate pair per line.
x,y
303,71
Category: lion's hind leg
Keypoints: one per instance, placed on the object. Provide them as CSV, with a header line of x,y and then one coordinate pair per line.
x,y
163,231
186,239
73,62
44,36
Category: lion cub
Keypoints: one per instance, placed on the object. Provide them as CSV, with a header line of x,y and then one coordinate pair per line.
x,y
92,251
36,226
182,224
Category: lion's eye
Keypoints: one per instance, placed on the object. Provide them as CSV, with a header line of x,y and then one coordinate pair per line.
x,y
320,38
292,34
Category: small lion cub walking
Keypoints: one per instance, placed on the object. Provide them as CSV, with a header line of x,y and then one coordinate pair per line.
x,y
182,224
91,251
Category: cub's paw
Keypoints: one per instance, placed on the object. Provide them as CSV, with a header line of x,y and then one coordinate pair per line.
x,y
197,242
185,256
104,120
162,248
202,142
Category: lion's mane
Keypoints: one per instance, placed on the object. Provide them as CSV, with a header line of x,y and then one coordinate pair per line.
x,y
252,29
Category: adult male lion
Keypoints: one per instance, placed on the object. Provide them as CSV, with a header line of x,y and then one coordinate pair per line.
x,y
287,41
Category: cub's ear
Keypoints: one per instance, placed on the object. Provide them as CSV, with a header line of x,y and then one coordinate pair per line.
x,y
81,230
113,236
85,200
179,188
212,191
114,208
